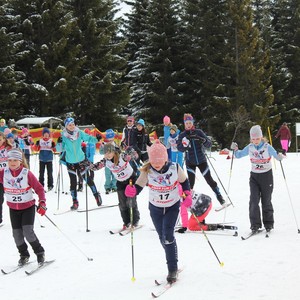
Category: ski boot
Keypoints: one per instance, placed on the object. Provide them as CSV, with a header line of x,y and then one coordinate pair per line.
x,y
172,276
23,260
41,258
75,205
98,199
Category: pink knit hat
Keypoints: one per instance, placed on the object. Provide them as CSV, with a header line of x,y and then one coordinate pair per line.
x,y
25,131
157,153
166,119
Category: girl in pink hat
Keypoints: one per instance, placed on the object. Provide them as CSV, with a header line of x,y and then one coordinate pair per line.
x,y
163,179
26,142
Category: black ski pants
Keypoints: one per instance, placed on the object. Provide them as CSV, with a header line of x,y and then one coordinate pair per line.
x,y
261,188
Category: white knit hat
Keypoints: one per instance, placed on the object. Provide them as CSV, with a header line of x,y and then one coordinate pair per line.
x,y
256,132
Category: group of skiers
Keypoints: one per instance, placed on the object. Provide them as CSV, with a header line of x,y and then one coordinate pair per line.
x,y
137,163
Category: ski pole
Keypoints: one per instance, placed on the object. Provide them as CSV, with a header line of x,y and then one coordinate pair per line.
x,y
219,180
62,180
88,258
270,138
86,204
58,186
131,233
213,250
41,225
288,191
230,171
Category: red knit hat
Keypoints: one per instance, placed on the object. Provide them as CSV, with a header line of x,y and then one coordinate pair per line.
x,y
157,153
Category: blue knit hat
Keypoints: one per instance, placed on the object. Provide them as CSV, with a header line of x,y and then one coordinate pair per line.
x,y
68,121
109,133
141,122
45,130
10,135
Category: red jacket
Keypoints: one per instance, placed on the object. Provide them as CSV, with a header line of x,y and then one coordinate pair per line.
x,y
33,182
284,133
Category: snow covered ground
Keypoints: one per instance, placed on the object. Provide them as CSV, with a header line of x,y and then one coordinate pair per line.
x,y
258,268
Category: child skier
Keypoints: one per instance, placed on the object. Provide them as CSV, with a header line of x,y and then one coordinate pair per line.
x,y
200,208
261,178
18,182
75,159
118,164
192,141
110,184
176,156
25,144
162,178
46,146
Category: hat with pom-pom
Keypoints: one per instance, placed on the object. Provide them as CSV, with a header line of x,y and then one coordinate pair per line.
x,y
157,153
256,132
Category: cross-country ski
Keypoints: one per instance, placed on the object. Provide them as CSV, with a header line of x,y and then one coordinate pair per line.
x,y
39,267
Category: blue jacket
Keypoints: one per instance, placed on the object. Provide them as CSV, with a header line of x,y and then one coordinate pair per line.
x,y
194,153
71,144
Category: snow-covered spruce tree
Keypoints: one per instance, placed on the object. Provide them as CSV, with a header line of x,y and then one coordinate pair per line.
x,y
205,48
135,33
10,79
246,75
157,63
285,57
49,59
101,92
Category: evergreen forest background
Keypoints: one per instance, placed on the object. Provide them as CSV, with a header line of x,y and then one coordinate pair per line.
x,y
231,63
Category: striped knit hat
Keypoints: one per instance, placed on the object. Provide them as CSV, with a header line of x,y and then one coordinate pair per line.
x,y
14,154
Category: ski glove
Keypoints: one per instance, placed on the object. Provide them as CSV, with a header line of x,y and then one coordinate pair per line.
x,y
41,209
185,142
234,146
27,142
182,230
280,156
127,157
187,202
130,191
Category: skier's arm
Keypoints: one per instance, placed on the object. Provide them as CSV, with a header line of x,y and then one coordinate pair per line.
x,y
242,153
